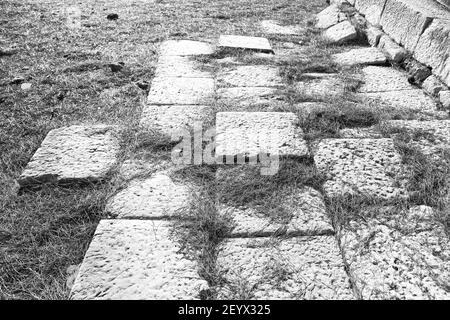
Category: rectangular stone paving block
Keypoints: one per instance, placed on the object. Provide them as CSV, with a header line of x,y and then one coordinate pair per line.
x,y
170,119
75,154
241,97
299,210
366,167
433,49
378,79
245,43
181,91
137,260
251,133
180,66
185,48
155,197
292,269
249,76
367,56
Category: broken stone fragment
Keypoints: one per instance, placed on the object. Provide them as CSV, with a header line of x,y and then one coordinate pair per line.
x,y
373,35
433,86
444,97
341,33
393,51
329,17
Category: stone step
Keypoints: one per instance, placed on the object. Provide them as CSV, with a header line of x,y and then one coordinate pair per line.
x,y
365,167
137,260
291,269
245,43
75,154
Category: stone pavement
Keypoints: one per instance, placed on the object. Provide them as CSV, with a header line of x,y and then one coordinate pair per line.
x,y
288,245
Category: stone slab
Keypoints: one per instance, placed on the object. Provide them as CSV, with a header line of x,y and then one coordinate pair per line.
x,y
340,33
242,97
251,133
433,49
180,66
329,17
249,76
244,42
185,48
181,91
75,154
156,197
169,119
299,268
300,211
273,27
398,257
320,84
136,260
360,167
405,20
380,79
363,56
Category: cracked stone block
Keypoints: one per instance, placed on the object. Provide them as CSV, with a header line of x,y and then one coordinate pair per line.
x,y
180,66
273,27
367,167
244,42
251,133
242,97
185,48
155,197
329,17
365,56
405,100
433,49
405,20
444,98
181,91
433,85
391,49
136,260
377,79
374,35
75,154
169,119
298,268
431,137
250,76
340,33
398,257
301,210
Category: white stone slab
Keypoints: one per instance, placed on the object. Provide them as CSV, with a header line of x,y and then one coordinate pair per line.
x,y
244,42
181,91
378,79
292,269
340,33
249,76
180,66
241,97
364,56
136,260
75,154
251,133
185,48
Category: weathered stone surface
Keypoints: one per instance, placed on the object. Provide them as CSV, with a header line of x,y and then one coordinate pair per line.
x,y
249,76
405,100
180,66
300,211
244,42
377,79
155,197
340,33
74,154
391,49
433,49
444,98
137,260
181,91
320,84
171,118
405,20
360,133
329,17
368,56
433,85
368,7
398,257
185,48
251,133
242,97
431,137
374,35
273,27
297,268
361,167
